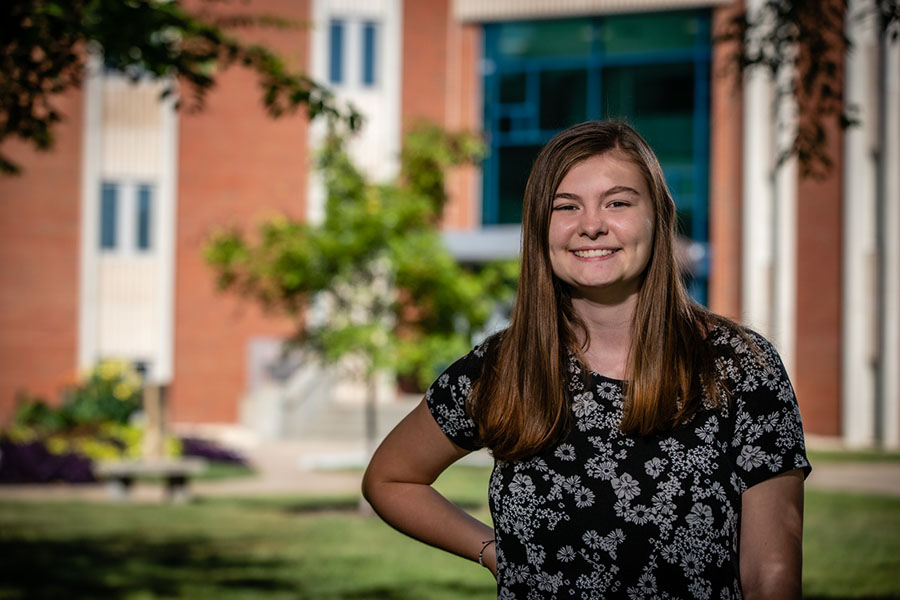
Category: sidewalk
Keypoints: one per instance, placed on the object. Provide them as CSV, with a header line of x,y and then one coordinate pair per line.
x,y
323,468
864,477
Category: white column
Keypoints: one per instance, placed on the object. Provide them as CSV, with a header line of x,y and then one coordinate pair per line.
x,y
769,269
318,41
784,301
90,216
757,266
860,298
166,236
783,316
890,352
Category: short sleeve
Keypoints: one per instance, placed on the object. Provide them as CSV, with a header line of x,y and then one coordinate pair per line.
x,y
768,433
447,396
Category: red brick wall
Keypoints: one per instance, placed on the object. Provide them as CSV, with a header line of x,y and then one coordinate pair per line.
x,y
40,217
424,63
817,376
441,84
725,171
819,249
464,108
236,165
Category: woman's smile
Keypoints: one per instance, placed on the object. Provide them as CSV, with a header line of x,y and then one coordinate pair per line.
x,y
594,252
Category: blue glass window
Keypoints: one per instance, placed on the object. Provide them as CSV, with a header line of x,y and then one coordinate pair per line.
x,y
109,210
651,69
369,53
336,55
144,216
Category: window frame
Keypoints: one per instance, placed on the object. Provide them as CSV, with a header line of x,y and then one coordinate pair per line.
x,y
523,115
133,229
336,40
370,46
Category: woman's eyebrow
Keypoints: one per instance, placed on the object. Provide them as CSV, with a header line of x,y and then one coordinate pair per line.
x,y
616,189
620,189
566,196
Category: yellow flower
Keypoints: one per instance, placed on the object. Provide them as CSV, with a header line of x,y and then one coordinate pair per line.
x,y
21,434
123,391
96,449
57,445
110,370
132,379
173,447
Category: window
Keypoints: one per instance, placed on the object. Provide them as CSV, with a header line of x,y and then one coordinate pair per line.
x,y
369,53
354,49
144,214
651,69
126,216
336,54
109,212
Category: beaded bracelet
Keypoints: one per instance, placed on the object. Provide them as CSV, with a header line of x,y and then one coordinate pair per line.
x,y
485,544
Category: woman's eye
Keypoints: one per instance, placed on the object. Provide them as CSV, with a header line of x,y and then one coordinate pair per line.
x,y
564,207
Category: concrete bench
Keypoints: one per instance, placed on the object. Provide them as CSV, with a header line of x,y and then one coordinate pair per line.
x,y
175,473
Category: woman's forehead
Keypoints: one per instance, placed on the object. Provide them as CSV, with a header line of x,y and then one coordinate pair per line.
x,y
613,163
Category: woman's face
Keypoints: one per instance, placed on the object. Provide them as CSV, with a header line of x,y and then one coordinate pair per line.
x,y
601,227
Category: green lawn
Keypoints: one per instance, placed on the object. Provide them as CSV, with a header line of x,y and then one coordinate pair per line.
x,y
858,456
321,549
851,546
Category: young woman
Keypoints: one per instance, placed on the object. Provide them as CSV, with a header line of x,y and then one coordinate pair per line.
x,y
644,447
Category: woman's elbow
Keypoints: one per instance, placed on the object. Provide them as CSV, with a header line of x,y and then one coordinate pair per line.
x,y
778,581
369,484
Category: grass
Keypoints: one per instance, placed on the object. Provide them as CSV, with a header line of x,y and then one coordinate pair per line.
x,y
320,548
845,456
851,546
223,550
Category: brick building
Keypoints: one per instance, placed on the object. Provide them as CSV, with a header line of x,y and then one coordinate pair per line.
x,y
101,239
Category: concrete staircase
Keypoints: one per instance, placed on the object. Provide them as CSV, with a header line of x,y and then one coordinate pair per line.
x,y
345,421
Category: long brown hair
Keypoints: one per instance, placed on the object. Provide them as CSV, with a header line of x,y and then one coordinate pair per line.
x,y
520,404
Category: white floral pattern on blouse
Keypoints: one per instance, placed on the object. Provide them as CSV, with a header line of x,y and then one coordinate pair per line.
x,y
605,515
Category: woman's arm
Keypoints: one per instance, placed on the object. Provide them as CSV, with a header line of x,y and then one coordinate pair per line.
x,y
398,482
771,538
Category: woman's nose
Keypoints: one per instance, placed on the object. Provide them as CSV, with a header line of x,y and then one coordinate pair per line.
x,y
592,223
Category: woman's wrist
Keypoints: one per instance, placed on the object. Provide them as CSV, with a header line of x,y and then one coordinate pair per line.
x,y
484,546
487,556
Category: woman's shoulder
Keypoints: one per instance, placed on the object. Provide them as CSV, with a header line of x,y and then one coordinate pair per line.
x,y
746,361
730,338
447,397
471,364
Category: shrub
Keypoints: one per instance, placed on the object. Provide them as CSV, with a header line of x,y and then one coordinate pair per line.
x,y
32,462
110,392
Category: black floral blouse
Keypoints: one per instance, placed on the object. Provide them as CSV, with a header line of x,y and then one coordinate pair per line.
x,y
605,515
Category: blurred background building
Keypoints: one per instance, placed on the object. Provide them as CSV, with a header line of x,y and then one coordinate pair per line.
x,y
101,240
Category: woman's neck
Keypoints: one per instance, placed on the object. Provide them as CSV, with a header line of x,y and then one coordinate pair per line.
x,y
609,330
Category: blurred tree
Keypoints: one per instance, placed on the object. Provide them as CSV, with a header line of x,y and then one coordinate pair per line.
x,y
801,44
44,46
383,287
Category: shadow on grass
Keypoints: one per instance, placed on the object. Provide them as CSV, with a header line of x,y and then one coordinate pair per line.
x,y
306,505
402,592
287,504
117,568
